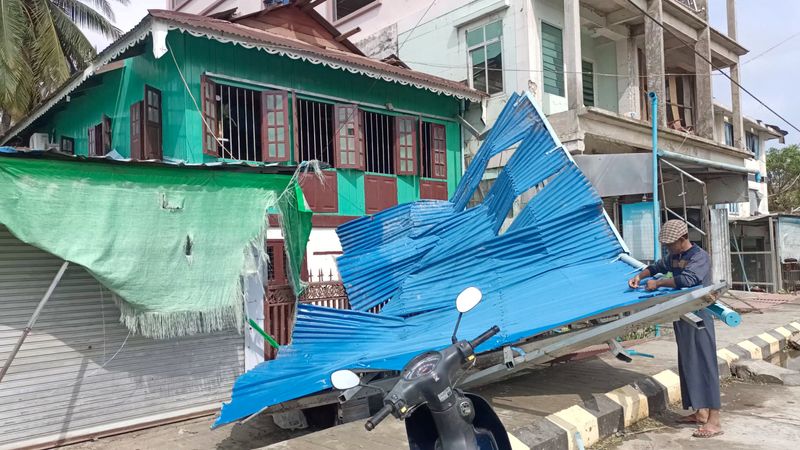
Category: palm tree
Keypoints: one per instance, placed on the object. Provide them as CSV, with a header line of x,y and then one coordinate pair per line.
x,y
41,44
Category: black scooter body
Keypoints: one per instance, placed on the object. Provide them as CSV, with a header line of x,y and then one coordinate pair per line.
x,y
489,430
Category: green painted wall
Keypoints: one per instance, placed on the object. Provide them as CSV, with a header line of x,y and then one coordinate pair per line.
x,y
351,192
182,130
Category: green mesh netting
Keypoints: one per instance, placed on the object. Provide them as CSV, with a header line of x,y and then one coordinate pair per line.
x,y
169,242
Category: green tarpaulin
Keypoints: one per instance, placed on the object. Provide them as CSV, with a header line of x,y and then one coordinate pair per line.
x,y
169,242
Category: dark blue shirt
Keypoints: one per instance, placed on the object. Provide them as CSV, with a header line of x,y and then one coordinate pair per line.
x,y
689,269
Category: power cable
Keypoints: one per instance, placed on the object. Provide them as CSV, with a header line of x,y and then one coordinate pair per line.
x,y
690,47
772,48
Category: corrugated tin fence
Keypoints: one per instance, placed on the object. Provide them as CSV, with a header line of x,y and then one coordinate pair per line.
x,y
80,372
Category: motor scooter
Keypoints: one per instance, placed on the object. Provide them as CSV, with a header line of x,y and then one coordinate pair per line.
x,y
438,415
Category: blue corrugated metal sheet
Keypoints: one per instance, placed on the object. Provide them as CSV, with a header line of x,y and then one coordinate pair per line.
x,y
556,264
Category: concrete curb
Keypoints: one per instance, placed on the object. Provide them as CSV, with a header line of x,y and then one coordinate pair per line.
x,y
603,415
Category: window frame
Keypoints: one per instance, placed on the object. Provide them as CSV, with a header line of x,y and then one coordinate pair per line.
x,y
150,128
136,122
358,137
410,162
71,141
434,151
265,126
559,72
728,132
485,44
209,116
755,139
334,16
585,61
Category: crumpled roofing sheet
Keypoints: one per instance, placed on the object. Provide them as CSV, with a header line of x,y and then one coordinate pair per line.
x,y
557,263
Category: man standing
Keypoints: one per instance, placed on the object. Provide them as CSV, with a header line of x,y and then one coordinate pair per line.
x,y
697,349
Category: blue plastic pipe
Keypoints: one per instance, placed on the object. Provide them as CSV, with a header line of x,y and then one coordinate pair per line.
x,y
728,316
656,209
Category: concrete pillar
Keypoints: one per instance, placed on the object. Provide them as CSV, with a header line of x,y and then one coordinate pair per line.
x,y
572,53
704,109
654,56
628,85
529,51
736,93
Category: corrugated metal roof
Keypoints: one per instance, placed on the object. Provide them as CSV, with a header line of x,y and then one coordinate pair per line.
x,y
349,59
556,264
115,158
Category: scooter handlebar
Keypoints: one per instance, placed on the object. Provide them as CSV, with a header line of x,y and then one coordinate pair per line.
x,y
378,417
484,337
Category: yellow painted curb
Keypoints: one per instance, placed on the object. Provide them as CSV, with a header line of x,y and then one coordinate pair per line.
x,y
727,355
516,444
774,344
577,419
753,349
672,382
634,404
783,332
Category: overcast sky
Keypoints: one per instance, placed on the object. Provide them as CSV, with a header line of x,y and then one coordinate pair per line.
x,y
761,24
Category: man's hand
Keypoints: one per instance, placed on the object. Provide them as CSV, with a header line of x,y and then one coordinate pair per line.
x,y
634,282
652,285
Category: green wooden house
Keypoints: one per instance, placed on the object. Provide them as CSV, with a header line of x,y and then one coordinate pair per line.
x,y
282,85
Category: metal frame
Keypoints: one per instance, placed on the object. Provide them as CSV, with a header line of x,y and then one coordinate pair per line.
x,y
496,365
33,319
703,230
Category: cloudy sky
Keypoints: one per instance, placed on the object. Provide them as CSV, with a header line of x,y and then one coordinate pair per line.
x,y
767,72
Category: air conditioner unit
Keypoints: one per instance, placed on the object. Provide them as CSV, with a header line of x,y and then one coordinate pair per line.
x,y
39,141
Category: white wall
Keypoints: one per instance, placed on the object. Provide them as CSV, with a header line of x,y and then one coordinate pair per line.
x,y
321,243
198,6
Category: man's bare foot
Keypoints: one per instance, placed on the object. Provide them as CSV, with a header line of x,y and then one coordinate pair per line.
x,y
695,418
708,431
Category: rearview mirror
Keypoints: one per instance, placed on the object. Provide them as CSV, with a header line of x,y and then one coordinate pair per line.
x,y
344,379
468,299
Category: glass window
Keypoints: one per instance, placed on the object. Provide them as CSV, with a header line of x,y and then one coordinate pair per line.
x,y
729,134
553,60
486,57
588,83
751,140
343,8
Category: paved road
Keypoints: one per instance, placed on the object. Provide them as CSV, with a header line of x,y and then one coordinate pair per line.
x,y
755,416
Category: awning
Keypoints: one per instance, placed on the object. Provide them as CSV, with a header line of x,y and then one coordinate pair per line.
x,y
704,162
171,243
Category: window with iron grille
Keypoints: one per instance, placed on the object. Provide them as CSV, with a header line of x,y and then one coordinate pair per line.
x,y
239,122
379,140
315,133
434,150
343,8
486,57
67,145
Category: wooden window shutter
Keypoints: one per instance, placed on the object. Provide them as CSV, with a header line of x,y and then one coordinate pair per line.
x,y
152,124
347,142
105,135
95,140
438,149
405,148
210,116
137,130
275,126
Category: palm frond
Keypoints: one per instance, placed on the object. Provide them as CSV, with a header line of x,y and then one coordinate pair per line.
x,y
84,16
47,56
13,29
76,47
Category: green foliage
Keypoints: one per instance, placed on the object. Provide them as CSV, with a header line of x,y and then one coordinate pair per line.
x,y
41,44
783,169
